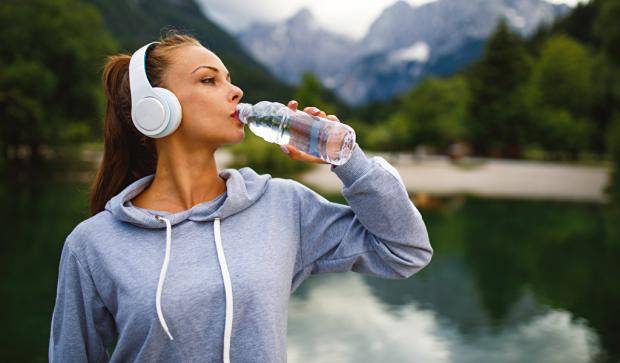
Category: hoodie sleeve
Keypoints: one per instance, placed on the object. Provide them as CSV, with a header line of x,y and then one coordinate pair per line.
x,y
379,233
81,326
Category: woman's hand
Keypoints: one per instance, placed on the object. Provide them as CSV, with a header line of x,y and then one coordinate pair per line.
x,y
293,152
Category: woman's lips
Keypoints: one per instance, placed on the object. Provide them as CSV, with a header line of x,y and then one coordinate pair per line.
x,y
235,115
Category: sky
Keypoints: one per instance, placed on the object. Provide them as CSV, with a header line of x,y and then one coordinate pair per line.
x,y
348,17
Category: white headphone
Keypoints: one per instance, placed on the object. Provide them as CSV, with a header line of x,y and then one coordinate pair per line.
x,y
155,111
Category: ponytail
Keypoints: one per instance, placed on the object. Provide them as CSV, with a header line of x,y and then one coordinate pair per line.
x,y
128,155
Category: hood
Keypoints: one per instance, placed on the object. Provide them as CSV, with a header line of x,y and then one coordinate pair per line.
x,y
243,188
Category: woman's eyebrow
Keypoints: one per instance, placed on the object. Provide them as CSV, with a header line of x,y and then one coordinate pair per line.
x,y
211,68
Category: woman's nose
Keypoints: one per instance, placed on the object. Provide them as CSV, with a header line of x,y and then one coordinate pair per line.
x,y
237,93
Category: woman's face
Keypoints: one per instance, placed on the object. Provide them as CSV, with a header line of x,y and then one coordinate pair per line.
x,y
208,99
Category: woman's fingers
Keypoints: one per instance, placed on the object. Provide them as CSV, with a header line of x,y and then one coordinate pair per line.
x,y
333,118
314,111
296,154
293,105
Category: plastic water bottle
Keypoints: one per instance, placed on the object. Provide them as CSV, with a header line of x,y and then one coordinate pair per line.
x,y
276,123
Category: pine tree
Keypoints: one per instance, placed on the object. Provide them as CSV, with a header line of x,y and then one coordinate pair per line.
x,y
497,117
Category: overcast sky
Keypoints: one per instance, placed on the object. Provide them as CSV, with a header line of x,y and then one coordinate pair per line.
x,y
349,17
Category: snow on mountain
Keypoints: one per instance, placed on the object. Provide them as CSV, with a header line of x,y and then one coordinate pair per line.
x,y
418,52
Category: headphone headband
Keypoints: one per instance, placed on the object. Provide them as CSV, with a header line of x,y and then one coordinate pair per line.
x,y
140,85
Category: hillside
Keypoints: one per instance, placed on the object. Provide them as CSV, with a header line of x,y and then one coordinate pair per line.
x,y
134,23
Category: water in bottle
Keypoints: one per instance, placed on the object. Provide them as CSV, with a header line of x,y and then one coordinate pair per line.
x,y
276,123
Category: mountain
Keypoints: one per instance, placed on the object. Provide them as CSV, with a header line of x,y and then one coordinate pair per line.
x,y
404,44
136,22
296,45
447,24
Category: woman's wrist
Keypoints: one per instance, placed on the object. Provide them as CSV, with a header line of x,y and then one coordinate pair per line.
x,y
354,168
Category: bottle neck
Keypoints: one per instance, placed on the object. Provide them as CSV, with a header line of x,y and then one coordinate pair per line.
x,y
244,111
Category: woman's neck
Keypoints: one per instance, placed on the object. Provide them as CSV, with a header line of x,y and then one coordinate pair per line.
x,y
184,177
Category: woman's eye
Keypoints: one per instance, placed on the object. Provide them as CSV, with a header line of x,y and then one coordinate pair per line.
x,y
208,80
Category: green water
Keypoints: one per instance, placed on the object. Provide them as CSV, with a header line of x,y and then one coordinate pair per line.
x,y
510,281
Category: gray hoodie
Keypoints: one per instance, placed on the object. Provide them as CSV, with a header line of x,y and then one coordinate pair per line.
x,y
212,283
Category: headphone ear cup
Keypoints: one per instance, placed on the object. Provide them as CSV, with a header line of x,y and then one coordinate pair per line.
x,y
174,110
148,114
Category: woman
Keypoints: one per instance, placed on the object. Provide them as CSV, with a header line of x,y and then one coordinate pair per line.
x,y
182,263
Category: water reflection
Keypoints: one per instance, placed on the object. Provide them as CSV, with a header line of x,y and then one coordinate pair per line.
x,y
36,218
509,281
341,320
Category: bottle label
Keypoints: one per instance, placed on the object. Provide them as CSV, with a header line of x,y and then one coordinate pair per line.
x,y
314,138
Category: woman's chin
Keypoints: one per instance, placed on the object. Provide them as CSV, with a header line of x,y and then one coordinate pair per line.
x,y
240,137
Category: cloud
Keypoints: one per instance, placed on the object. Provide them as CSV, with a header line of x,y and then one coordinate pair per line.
x,y
568,2
348,17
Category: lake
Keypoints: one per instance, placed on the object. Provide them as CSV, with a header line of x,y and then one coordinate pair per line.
x,y
510,281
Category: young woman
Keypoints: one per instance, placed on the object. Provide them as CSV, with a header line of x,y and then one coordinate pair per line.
x,y
181,262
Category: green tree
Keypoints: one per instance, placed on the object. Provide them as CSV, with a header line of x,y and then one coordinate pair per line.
x,y
391,135
607,28
606,85
562,75
559,95
498,119
431,114
49,73
605,96
560,132
435,112
577,24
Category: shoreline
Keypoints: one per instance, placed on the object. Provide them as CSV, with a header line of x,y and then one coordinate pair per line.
x,y
489,178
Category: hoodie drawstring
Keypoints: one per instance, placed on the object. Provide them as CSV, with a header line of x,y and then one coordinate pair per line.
x,y
225,276
227,288
162,275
